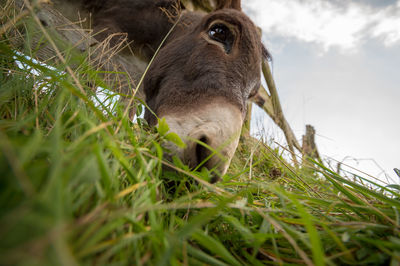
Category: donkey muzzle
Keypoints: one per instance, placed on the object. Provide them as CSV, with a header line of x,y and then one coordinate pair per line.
x,y
211,133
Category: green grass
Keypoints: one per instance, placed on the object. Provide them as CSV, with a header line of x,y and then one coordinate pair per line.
x,y
81,184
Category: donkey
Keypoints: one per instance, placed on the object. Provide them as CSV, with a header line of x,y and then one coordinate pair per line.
x,y
202,76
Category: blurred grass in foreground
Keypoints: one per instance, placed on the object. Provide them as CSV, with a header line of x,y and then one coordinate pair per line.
x,y
82,185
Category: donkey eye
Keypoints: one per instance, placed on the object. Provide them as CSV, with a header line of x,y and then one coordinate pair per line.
x,y
219,32
222,34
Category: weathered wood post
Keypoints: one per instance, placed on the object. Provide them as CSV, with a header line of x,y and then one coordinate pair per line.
x,y
309,148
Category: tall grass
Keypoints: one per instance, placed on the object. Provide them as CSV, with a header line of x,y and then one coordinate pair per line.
x,y
82,185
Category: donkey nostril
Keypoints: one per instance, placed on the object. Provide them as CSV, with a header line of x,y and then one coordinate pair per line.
x,y
202,152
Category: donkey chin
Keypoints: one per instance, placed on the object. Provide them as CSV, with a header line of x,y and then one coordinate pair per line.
x,y
211,133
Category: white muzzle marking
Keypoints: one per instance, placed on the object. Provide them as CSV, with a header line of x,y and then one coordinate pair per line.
x,y
217,124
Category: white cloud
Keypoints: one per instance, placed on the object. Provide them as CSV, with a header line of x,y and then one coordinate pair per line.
x,y
326,23
388,25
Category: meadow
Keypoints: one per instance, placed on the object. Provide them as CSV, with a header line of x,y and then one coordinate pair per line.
x,y
81,184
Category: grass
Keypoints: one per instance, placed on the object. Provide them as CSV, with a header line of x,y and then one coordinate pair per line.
x,y
82,185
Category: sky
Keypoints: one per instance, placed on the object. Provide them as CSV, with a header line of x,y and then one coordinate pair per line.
x,y
336,66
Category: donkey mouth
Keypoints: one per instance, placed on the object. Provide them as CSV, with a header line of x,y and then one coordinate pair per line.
x,y
211,134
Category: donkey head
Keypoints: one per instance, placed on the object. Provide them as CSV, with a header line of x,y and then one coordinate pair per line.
x,y
200,82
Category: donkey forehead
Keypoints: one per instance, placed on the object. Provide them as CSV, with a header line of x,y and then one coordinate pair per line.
x,y
241,68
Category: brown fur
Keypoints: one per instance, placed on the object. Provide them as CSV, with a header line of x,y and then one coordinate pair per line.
x,y
189,70
144,21
192,68
235,4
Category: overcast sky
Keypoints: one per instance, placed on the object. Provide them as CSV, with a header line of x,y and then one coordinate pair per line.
x,y
336,66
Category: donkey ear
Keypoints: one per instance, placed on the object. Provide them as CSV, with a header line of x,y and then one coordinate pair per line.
x,y
235,4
